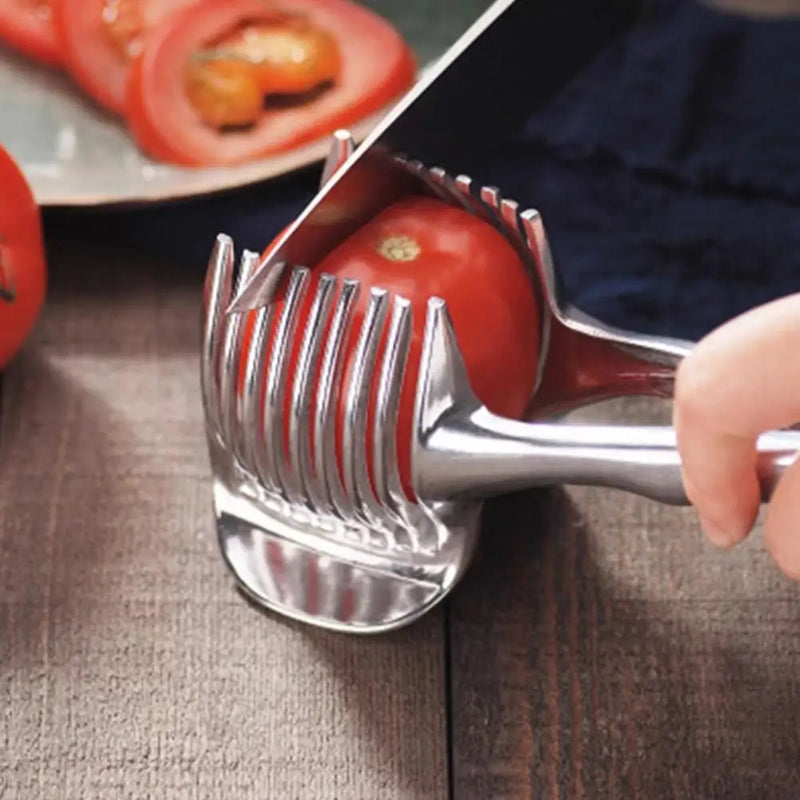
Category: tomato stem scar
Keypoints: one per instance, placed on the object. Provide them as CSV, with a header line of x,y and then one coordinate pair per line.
x,y
399,248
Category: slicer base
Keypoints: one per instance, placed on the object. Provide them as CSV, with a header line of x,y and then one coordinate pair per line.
x,y
332,587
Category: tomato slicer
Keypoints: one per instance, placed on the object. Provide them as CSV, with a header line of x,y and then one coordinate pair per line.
x,y
339,550
333,537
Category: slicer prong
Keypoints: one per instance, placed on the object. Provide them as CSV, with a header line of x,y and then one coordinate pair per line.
x,y
341,148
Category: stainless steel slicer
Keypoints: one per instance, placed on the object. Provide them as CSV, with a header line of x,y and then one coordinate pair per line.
x,y
349,549
332,547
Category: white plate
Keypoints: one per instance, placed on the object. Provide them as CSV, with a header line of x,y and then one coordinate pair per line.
x,y
74,154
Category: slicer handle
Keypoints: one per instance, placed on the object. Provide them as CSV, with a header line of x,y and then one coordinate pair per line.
x,y
482,454
589,361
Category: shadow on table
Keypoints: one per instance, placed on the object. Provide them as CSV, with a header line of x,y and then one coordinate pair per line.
x,y
56,502
81,463
600,649
393,687
91,409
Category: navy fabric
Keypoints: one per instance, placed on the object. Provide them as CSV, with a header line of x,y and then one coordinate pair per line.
x,y
668,176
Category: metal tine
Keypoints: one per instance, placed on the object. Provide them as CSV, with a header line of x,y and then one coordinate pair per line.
x,y
230,399
430,179
505,213
536,237
509,213
490,207
354,440
448,189
456,190
537,243
443,381
266,289
304,485
524,229
388,486
255,458
507,219
341,148
490,197
463,185
218,291
276,380
418,169
326,467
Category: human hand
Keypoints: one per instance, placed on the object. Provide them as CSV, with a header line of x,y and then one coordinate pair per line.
x,y
740,381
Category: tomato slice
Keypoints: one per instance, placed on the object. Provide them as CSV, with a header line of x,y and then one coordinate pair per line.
x,y
22,260
289,58
292,56
419,248
27,26
93,34
377,66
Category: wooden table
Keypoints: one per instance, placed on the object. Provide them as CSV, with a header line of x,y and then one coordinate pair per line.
x,y
598,648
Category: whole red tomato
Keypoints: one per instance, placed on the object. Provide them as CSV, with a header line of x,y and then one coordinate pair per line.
x,y
419,248
27,26
22,260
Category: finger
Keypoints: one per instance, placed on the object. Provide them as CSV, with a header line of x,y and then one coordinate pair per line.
x,y
719,478
741,380
782,522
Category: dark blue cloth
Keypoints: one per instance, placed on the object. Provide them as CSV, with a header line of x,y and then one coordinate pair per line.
x,y
668,176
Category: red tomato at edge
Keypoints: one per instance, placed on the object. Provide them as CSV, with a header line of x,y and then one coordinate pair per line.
x,y
29,29
22,260
456,256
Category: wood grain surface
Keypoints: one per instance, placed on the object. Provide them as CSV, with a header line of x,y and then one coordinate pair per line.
x,y
602,649
129,665
598,647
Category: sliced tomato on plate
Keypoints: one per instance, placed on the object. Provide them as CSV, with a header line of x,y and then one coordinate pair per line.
x,y
99,38
22,260
419,248
216,84
27,26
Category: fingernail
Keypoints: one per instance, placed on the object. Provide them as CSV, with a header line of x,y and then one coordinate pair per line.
x,y
718,535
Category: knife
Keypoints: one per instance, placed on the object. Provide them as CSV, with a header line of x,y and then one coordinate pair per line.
x,y
508,64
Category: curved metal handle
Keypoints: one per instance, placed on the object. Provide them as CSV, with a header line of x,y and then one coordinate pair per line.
x,y
478,453
588,361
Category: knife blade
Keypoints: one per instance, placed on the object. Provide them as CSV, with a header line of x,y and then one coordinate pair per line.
x,y
508,64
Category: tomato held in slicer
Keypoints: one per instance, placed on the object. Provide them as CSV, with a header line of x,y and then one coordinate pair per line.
x,y
100,37
27,26
226,81
23,277
419,248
